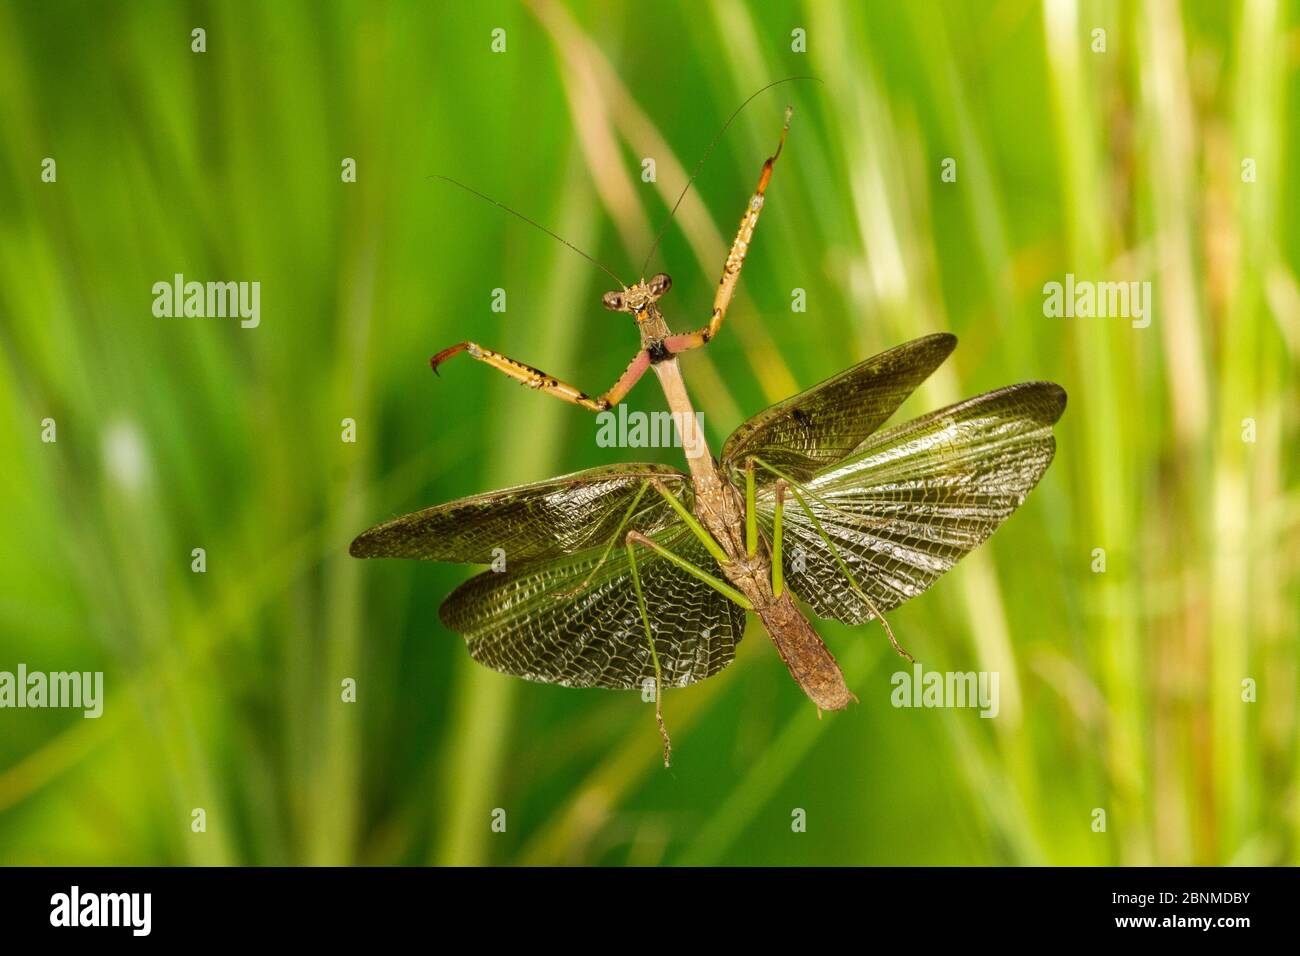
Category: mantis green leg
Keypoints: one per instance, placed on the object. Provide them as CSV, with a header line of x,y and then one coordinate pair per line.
x,y
722,587
654,655
618,533
693,523
778,569
751,526
726,590
751,512
826,539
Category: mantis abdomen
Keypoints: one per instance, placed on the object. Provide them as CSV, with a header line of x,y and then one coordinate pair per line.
x,y
810,663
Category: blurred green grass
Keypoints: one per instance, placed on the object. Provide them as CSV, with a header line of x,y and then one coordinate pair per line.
x,y
1120,690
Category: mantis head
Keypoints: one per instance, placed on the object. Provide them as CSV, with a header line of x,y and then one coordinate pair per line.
x,y
639,299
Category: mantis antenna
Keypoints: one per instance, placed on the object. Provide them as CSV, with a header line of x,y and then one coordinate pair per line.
x,y
707,152
533,223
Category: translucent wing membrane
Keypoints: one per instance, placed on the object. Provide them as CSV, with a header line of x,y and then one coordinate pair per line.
x,y
911,501
816,428
542,520
513,622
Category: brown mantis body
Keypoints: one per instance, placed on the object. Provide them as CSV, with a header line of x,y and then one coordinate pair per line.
x,y
895,508
718,505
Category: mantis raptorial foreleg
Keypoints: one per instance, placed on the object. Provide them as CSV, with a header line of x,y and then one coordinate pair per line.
x,y
735,258
784,482
534,378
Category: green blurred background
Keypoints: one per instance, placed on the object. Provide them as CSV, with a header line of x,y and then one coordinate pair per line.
x,y
1121,690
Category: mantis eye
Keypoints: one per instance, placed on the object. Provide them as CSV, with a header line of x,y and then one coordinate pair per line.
x,y
613,301
660,284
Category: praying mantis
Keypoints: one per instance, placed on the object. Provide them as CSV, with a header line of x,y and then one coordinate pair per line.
x,y
628,574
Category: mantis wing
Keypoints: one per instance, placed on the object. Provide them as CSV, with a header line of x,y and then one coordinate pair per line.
x,y
913,500
529,522
519,622
817,428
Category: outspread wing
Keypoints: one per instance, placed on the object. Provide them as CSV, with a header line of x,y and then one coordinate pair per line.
x,y
549,518
517,622
814,429
911,501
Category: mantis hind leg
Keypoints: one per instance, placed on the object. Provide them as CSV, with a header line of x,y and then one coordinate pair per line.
x,y
637,538
784,482
618,533
751,526
654,655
